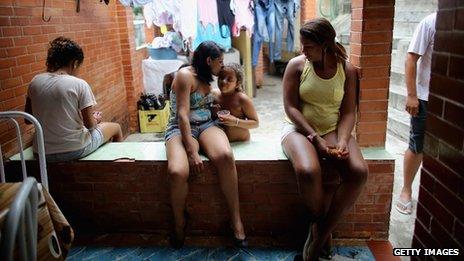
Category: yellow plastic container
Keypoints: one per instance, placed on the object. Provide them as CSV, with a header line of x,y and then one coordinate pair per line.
x,y
154,120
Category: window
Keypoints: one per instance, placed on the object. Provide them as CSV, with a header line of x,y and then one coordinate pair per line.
x,y
139,27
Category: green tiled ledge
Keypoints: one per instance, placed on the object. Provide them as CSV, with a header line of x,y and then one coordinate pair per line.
x,y
155,151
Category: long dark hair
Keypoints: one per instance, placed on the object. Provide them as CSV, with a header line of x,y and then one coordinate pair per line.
x,y
204,50
320,31
62,52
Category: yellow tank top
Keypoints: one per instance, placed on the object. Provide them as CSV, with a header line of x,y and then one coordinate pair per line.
x,y
320,99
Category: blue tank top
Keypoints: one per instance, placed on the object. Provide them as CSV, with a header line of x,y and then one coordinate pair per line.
x,y
200,108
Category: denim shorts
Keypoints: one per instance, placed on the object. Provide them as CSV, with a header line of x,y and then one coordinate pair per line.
x,y
417,130
195,129
95,142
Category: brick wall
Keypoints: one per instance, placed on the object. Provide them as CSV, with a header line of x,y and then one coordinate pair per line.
x,y
440,215
111,64
134,196
371,37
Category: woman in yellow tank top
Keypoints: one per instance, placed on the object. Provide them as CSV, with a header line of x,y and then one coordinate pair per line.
x,y
320,104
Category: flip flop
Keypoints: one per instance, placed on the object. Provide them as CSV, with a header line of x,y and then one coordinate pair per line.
x,y
404,207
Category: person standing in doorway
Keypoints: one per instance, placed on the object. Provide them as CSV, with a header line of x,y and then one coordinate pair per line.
x,y
417,75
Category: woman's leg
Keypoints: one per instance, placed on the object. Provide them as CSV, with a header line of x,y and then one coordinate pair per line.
x,y
178,171
353,172
215,144
305,161
111,130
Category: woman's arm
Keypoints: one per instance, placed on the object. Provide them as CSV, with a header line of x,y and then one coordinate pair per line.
x,y
348,106
291,84
182,87
90,118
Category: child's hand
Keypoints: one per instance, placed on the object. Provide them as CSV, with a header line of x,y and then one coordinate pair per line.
x,y
228,120
97,115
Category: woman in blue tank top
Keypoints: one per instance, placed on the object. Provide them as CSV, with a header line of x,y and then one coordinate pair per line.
x,y
190,129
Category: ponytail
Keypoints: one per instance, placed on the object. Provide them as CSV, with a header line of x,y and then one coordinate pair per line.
x,y
340,52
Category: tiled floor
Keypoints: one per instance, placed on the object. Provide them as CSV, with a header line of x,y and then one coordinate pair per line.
x,y
195,253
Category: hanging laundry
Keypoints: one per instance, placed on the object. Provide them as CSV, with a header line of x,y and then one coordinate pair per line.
x,y
264,28
212,32
186,20
159,12
225,15
134,2
207,12
244,16
285,9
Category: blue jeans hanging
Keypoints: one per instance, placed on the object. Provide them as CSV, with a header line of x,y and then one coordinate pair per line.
x,y
284,9
263,29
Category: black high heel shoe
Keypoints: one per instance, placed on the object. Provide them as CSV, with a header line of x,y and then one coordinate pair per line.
x,y
174,240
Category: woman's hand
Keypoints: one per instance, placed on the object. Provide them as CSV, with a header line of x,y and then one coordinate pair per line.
x,y
321,145
195,162
97,115
228,120
339,151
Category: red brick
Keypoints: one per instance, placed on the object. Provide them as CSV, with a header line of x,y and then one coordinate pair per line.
x,y
373,94
435,105
447,87
6,42
380,105
427,181
439,231
14,103
454,203
6,10
32,30
381,168
10,83
436,126
372,127
456,68
370,139
371,3
446,177
372,116
443,4
11,31
453,114
436,209
459,19
424,236
22,21
445,20
374,72
378,12
375,60
16,51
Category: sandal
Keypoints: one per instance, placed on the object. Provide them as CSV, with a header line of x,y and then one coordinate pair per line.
x,y
404,207
326,251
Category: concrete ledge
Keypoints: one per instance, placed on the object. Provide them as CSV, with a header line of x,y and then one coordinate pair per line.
x,y
97,195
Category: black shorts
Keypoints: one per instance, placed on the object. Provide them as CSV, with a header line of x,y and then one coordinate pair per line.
x,y
417,130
